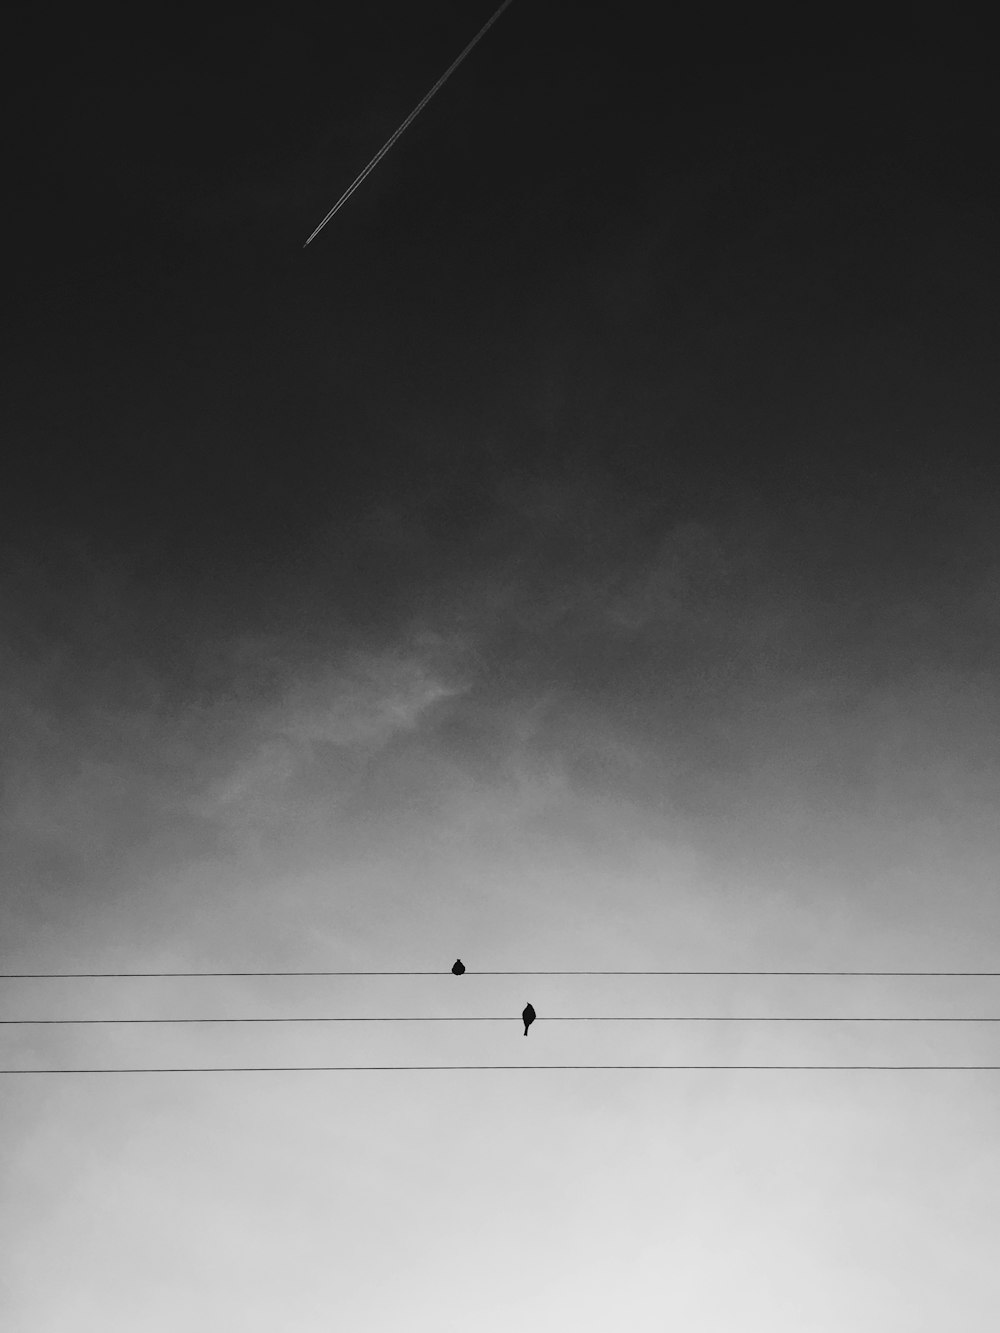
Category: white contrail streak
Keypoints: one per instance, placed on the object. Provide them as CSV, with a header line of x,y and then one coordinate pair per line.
x,y
407,122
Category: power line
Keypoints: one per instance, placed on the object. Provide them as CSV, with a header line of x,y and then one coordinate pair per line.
x,y
344,1069
513,1018
66,976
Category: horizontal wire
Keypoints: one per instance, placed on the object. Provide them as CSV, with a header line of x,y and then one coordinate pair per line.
x,y
516,1018
65,976
330,1069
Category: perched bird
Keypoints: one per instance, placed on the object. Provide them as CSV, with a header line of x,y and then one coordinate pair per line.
x,y
528,1014
458,967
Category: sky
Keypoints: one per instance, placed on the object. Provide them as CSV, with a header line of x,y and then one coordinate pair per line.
x,y
581,557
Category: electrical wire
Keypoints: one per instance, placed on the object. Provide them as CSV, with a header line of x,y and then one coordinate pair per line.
x,y
67,976
331,1069
513,1018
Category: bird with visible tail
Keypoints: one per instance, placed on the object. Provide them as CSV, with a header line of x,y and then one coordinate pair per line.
x,y
528,1016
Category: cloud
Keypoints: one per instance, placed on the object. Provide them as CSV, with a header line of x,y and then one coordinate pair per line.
x,y
137,726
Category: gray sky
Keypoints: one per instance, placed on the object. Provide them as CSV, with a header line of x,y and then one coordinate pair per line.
x,y
392,805
583,556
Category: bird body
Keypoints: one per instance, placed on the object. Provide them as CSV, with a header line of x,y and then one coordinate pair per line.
x,y
458,967
528,1016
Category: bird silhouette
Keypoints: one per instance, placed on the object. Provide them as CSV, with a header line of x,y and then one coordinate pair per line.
x,y
528,1014
458,967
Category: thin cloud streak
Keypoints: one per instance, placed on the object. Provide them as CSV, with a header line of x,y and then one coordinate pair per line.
x,y
362,176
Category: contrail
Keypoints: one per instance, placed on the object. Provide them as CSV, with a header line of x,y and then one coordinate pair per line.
x,y
407,122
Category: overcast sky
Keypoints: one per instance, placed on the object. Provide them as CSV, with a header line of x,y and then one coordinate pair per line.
x,y
582,556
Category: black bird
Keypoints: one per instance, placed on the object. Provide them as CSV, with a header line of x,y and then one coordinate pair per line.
x,y
458,967
528,1014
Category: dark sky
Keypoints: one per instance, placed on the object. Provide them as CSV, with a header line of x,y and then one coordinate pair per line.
x,y
653,369
584,554
745,270
619,281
